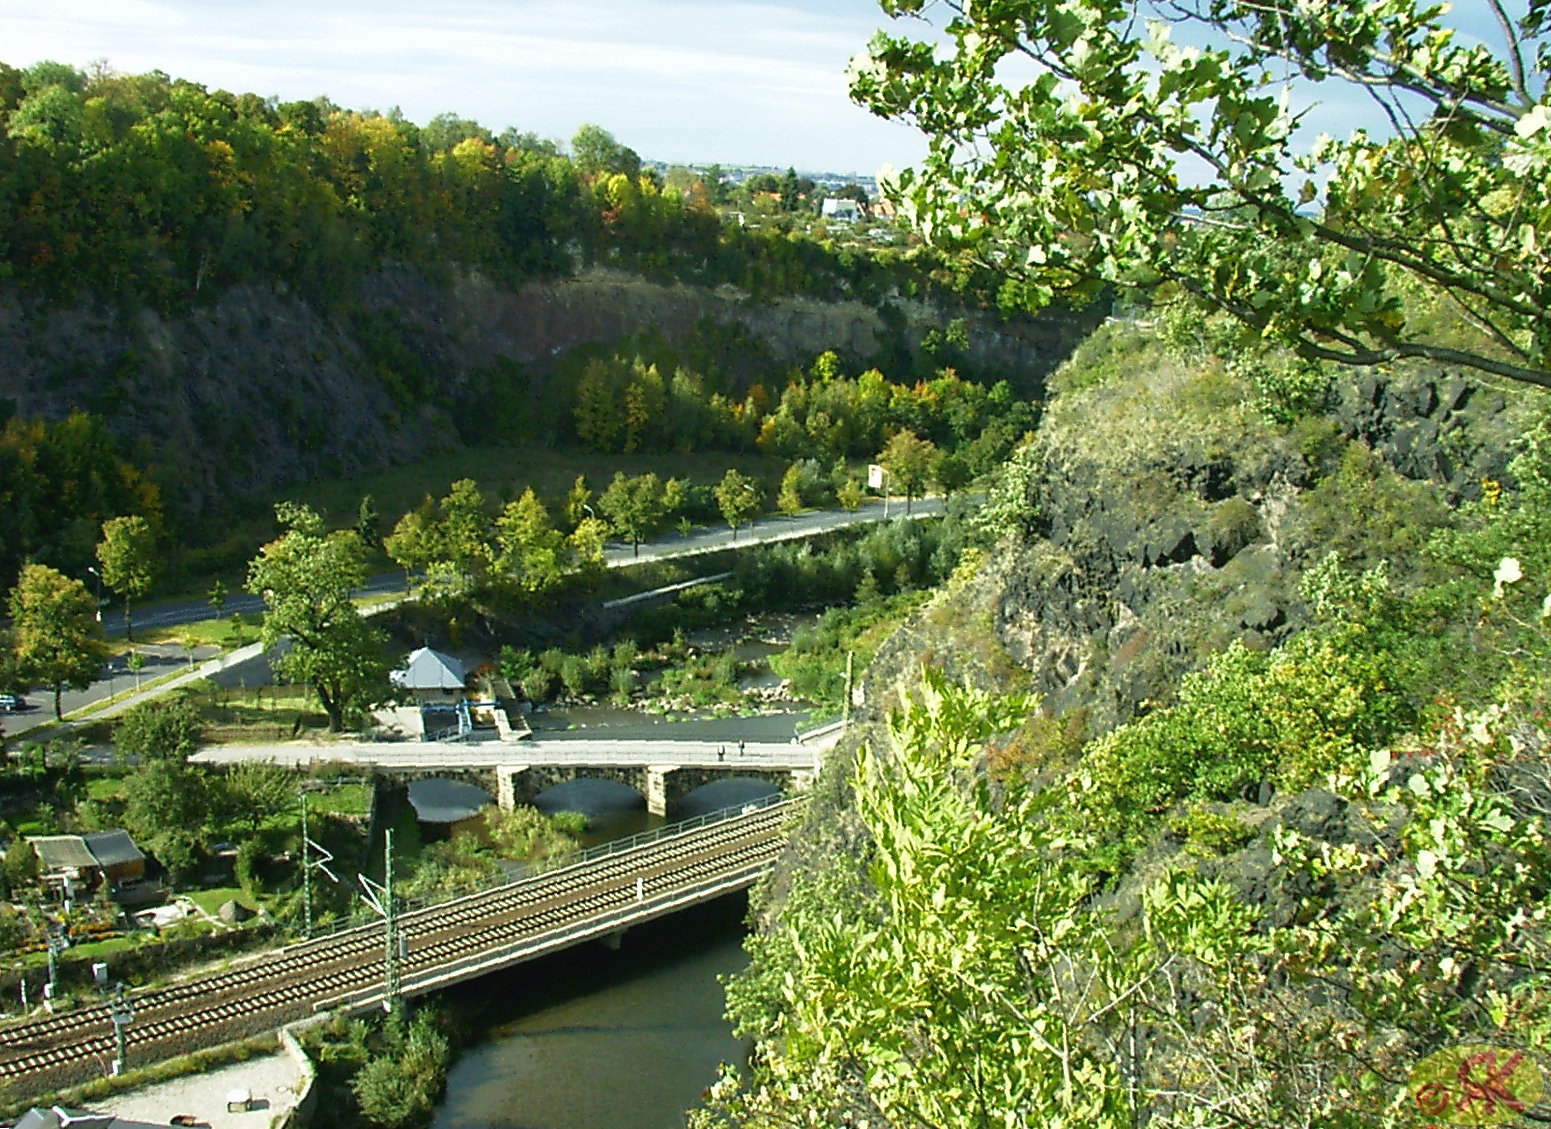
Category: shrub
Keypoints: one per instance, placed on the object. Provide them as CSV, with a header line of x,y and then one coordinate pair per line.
x,y
166,729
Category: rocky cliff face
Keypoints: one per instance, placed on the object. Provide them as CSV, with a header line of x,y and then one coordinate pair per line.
x,y
257,389
1165,518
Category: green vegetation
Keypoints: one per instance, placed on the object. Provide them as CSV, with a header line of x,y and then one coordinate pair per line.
x,y
815,663
893,978
130,561
387,1071
305,579
55,634
59,482
1071,182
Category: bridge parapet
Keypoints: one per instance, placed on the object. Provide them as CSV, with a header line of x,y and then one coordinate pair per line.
x,y
662,785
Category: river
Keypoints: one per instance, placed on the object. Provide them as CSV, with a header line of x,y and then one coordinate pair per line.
x,y
627,1039
601,1039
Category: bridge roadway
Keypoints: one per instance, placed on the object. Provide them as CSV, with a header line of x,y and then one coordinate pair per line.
x,y
532,753
447,943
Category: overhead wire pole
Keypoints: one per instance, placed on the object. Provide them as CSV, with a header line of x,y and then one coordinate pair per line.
x,y
306,869
309,849
380,897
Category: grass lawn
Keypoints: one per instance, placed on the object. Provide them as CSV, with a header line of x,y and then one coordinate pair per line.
x,y
104,787
353,800
268,713
212,900
215,631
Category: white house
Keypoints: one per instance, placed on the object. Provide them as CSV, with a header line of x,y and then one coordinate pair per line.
x,y
841,210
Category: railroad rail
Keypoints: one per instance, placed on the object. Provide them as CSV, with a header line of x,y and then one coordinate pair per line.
x,y
455,940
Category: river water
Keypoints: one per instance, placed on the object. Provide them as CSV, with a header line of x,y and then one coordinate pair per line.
x,y
601,1039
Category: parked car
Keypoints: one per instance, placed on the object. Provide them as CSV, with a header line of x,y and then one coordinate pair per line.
x,y
13,702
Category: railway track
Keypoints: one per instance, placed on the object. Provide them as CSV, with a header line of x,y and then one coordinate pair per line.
x,y
295,981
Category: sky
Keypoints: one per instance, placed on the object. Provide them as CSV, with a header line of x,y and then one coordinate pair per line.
x,y
730,81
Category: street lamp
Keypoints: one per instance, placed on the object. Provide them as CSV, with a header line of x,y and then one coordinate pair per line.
x,y
98,575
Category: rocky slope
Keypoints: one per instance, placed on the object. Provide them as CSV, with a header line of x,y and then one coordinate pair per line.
x,y
1163,517
257,389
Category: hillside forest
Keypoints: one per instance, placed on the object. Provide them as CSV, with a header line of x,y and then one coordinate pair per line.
x,y
1208,786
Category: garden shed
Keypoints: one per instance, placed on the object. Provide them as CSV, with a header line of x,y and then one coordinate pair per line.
x,y
81,863
431,676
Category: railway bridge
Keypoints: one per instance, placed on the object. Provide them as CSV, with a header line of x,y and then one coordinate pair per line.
x,y
596,894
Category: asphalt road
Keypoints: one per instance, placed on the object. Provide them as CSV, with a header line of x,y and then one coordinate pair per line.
x,y
768,529
116,677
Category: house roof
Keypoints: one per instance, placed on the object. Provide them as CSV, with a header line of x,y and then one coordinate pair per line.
x,y
113,848
430,670
86,852
446,801
63,852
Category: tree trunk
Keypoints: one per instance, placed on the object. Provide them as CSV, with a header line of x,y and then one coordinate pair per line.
x,y
129,627
334,708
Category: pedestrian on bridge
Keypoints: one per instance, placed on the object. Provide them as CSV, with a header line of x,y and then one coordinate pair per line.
x,y
740,746
721,753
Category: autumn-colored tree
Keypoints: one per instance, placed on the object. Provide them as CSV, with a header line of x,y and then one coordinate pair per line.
x,y
129,559
909,459
54,631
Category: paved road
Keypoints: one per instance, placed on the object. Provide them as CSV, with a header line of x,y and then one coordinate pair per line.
x,y
115,677
766,531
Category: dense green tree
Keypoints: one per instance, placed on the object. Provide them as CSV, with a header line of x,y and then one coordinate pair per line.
x,y
951,472
739,498
130,560
168,728
1072,177
166,808
463,541
587,543
634,506
909,460
21,866
530,551
595,151
59,481
306,578
366,524
578,502
415,541
253,792
54,631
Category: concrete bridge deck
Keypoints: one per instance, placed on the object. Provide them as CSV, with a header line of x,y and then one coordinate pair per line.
x,y
422,755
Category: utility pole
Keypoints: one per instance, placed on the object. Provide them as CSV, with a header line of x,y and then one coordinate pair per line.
x,y
306,869
309,851
380,897
389,927
56,945
845,716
